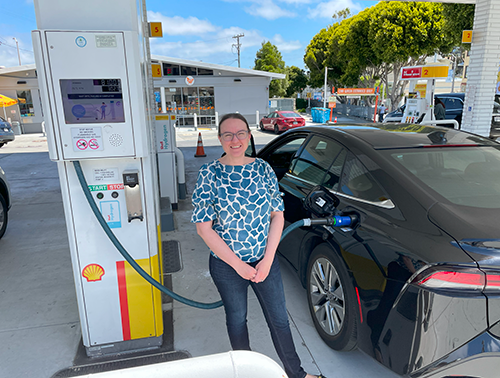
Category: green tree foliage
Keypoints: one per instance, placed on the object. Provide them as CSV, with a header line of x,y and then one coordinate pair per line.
x,y
269,59
342,14
458,17
364,49
315,56
297,80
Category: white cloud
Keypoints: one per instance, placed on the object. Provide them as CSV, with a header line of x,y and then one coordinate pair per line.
x,y
182,26
218,47
268,10
327,9
285,46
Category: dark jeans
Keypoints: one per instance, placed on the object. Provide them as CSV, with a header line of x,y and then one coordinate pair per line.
x,y
233,290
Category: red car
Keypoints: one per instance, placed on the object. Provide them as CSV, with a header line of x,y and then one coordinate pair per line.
x,y
281,121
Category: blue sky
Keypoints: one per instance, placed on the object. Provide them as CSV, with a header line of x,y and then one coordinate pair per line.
x,y
202,30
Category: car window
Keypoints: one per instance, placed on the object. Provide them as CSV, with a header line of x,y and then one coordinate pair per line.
x,y
280,158
315,159
452,103
465,176
332,177
357,182
290,114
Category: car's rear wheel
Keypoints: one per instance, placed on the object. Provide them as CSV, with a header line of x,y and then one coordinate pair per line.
x,y
331,298
261,125
1,144
276,129
3,216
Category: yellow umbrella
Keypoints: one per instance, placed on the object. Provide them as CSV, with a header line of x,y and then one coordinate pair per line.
x,y
6,101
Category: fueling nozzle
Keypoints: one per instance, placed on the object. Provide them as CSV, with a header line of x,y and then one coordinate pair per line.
x,y
335,221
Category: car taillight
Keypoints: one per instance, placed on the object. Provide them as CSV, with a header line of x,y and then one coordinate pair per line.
x,y
461,279
454,280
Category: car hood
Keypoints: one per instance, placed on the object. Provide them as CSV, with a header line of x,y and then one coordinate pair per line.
x,y
476,230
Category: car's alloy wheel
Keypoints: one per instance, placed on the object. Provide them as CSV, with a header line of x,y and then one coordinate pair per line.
x,y
3,216
331,299
261,126
276,129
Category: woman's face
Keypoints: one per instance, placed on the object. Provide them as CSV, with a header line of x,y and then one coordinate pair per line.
x,y
232,145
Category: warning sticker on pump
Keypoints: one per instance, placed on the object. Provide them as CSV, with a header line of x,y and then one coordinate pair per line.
x,y
87,138
105,174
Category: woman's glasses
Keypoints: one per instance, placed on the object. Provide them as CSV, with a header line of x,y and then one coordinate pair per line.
x,y
228,137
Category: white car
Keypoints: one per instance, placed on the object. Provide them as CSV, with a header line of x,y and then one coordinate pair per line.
x,y
5,202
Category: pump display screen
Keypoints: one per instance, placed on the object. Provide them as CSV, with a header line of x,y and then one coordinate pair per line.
x,y
92,100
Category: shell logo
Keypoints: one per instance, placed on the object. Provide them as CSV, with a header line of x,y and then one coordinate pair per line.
x,y
189,80
93,272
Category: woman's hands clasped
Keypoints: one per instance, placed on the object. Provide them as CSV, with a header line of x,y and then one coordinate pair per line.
x,y
257,274
262,268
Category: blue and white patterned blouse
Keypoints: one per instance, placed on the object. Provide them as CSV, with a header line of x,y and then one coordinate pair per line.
x,y
239,199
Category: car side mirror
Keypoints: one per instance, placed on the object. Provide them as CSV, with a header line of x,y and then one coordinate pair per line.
x,y
321,202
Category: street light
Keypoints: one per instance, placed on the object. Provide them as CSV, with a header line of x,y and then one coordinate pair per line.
x,y
18,55
324,96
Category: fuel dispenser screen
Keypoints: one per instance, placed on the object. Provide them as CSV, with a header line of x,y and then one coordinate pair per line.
x,y
92,101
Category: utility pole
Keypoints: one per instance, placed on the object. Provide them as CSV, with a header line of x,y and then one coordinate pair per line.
x,y
18,54
237,45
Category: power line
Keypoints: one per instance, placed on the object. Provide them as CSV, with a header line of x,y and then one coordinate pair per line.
x,y
237,45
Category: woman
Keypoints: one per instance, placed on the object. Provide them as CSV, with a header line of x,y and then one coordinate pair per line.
x,y
238,212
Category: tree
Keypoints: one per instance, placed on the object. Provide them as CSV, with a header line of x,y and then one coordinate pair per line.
x,y
367,47
297,80
315,56
342,14
269,59
458,17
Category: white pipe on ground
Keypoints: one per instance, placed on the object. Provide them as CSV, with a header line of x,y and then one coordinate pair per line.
x,y
234,364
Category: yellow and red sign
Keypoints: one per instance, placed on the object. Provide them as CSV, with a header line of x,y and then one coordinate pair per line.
x,y
422,89
156,69
424,72
467,36
155,29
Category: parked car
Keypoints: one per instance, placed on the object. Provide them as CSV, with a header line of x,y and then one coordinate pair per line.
x,y
416,282
282,120
6,132
5,202
454,103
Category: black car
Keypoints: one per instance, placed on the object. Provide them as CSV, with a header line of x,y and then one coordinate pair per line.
x,y
6,132
415,283
5,202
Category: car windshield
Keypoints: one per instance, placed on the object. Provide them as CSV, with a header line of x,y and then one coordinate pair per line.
x,y
290,114
468,176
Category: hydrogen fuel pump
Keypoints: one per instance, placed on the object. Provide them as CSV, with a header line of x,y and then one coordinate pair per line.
x,y
92,71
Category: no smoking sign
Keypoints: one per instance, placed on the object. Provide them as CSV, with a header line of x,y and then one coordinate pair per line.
x,y
87,139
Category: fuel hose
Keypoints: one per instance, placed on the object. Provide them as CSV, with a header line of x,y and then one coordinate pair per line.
x,y
333,221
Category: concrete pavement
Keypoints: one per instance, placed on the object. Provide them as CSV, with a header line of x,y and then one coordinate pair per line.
x,y
39,323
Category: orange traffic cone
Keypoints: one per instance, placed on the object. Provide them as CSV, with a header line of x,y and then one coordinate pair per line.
x,y
200,152
335,120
